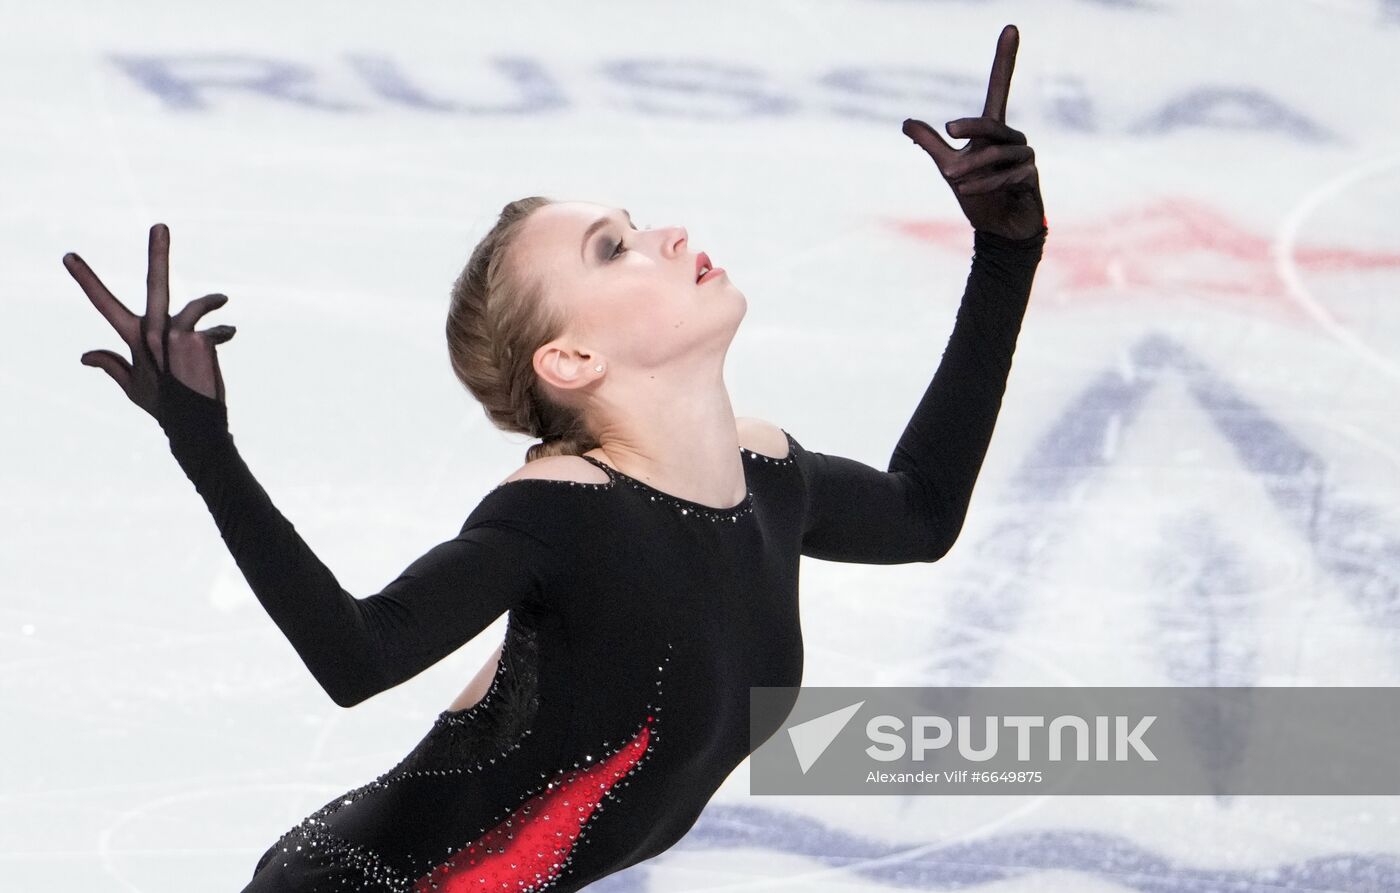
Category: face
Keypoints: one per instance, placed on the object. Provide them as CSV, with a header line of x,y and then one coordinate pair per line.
x,y
630,294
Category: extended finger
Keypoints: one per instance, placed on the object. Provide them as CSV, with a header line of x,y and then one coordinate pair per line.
x,y
986,128
218,334
192,311
1021,173
113,310
999,86
929,140
976,160
158,273
118,368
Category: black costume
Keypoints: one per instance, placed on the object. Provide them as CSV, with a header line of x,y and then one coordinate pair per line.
x,y
636,623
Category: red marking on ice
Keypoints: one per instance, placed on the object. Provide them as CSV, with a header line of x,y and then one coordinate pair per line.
x,y
1173,248
541,832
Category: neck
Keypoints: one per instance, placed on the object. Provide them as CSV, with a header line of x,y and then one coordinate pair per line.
x,y
677,434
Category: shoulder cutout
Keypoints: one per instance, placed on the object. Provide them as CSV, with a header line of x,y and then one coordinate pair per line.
x,y
560,468
762,437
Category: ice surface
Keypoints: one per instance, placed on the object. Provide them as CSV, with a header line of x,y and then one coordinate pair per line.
x,y
1194,481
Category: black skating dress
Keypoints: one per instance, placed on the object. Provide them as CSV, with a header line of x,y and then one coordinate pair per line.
x,y
636,622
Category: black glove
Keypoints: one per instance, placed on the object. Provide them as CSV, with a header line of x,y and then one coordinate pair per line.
x,y
174,374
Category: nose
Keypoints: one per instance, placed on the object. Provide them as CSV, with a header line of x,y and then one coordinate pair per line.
x,y
673,238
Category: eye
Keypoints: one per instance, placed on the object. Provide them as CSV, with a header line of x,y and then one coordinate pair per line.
x,y
620,248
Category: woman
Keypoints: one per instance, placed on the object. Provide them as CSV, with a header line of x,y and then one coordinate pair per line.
x,y
646,554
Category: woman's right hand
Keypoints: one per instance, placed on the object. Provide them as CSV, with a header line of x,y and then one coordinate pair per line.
x,y
161,346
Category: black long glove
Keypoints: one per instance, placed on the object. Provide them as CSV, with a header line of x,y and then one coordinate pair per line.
x,y
354,647
994,176
162,347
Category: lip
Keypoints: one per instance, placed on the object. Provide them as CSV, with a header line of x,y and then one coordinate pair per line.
x,y
701,260
715,272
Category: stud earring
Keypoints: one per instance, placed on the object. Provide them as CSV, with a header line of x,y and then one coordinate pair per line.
x,y
598,368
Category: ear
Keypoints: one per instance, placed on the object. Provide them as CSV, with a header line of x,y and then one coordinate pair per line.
x,y
566,367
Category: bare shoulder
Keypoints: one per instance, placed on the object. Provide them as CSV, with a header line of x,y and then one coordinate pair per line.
x,y
762,437
559,468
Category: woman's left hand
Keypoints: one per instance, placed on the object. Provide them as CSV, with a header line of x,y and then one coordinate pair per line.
x,y
993,176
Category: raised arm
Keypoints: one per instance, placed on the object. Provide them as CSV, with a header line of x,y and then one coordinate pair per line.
x,y
915,510
354,647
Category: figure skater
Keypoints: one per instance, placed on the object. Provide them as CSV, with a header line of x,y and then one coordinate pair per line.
x,y
645,555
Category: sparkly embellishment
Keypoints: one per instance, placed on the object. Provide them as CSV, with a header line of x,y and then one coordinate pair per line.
x,y
459,743
526,849
335,850
684,506
538,855
584,485
789,459
539,849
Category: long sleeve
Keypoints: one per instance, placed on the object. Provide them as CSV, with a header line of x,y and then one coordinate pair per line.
x,y
915,510
354,647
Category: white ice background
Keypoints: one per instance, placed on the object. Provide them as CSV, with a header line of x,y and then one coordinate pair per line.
x,y
1194,479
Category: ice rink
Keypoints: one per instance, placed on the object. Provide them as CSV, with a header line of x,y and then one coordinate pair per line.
x,y
1195,478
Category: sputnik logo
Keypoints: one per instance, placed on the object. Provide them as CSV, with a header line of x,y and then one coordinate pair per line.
x,y
810,739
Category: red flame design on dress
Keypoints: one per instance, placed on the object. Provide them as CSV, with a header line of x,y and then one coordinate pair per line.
x,y
529,847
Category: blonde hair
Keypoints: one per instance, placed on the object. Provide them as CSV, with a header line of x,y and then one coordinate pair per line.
x,y
497,319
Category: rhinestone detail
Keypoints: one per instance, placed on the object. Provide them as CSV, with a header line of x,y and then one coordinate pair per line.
x,y
683,506
532,847
690,508
517,851
332,849
496,859
472,740
789,459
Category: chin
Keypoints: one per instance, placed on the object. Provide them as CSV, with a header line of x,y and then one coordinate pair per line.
x,y
740,305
